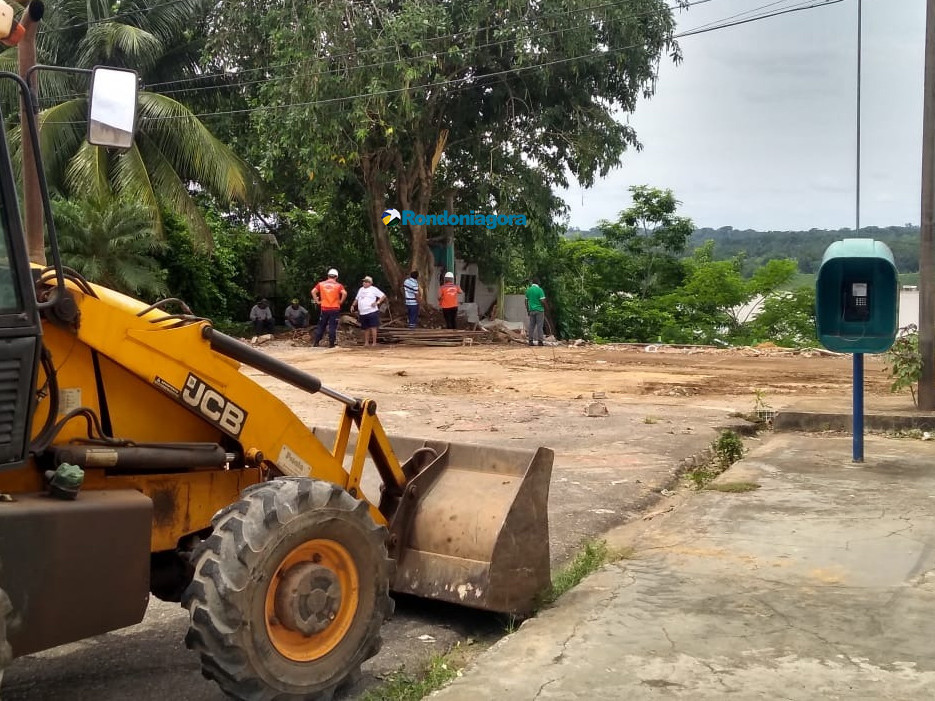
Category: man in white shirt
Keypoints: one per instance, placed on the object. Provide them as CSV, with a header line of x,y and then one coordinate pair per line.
x,y
367,302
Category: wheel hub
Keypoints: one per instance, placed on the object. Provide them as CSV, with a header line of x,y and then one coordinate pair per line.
x,y
308,598
312,599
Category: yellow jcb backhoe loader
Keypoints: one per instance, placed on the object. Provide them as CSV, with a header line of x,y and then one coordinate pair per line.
x,y
137,458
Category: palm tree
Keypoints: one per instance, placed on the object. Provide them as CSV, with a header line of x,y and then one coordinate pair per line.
x,y
174,152
111,242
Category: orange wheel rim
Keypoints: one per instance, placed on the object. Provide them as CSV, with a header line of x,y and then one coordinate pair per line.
x,y
311,600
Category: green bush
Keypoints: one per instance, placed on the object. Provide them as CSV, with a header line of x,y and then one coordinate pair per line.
x,y
218,284
786,319
904,362
728,448
633,320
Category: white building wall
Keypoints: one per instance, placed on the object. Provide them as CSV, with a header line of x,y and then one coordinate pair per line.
x,y
484,295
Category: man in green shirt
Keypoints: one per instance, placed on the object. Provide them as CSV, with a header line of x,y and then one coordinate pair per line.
x,y
535,306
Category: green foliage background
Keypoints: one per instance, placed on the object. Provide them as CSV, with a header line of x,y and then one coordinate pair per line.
x,y
221,190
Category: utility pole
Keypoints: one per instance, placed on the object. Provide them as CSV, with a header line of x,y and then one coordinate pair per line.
x,y
927,233
35,240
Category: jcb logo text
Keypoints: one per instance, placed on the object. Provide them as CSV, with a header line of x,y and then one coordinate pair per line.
x,y
214,406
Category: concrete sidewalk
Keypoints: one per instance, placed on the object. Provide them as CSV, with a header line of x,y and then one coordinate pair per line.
x,y
818,585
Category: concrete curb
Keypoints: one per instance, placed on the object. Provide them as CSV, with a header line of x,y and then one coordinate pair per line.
x,y
811,421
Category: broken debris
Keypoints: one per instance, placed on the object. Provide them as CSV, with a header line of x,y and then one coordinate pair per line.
x,y
596,409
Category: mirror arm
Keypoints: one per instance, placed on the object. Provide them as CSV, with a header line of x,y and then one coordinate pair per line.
x,y
33,130
33,98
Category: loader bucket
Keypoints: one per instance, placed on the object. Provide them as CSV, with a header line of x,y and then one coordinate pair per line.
x,y
471,527
479,534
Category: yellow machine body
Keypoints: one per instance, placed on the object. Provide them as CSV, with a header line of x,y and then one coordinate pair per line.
x,y
466,524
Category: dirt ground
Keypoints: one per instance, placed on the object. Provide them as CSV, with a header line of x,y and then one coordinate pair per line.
x,y
663,408
564,372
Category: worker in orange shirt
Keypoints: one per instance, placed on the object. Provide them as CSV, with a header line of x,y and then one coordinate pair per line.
x,y
329,295
448,300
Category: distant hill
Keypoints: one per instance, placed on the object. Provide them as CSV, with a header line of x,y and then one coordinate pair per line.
x,y
805,246
582,233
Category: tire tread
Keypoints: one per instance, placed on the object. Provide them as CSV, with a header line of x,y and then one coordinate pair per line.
x,y
222,571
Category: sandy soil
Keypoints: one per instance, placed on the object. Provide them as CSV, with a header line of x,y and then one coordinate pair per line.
x,y
565,372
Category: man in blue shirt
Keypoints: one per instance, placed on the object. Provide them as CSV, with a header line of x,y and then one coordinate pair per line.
x,y
413,296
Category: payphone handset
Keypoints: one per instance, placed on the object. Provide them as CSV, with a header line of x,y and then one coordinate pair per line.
x,y
856,301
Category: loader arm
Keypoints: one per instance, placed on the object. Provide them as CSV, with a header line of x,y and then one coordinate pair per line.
x,y
467,524
199,369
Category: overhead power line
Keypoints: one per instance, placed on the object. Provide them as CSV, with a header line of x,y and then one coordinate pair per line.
x,y
363,66
777,13
397,60
446,37
751,11
811,4
471,81
402,61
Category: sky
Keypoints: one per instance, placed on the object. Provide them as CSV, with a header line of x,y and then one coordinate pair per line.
x,y
756,127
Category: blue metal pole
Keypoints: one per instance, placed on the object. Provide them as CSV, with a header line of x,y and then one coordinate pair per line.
x,y
858,407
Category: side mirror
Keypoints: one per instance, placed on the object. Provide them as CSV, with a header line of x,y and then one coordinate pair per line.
x,y
112,117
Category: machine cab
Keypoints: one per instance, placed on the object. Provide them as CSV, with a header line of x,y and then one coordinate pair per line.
x,y
20,327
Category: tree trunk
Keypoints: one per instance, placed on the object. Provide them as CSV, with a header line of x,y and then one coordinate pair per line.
x,y
414,185
421,259
449,230
375,187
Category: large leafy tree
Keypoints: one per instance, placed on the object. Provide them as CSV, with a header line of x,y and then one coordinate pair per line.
x,y
637,257
413,97
173,150
653,236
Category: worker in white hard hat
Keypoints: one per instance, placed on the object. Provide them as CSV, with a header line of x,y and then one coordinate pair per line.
x,y
329,295
448,300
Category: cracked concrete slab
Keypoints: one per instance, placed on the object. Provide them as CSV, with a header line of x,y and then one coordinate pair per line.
x,y
818,585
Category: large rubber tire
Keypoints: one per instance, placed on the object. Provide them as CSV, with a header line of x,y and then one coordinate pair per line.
x,y
234,571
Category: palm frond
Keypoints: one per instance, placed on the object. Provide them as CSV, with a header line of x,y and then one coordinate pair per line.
x,y
62,129
87,173
171,189
118,41
131,181
180,60
52,85
110,242
164,20
194,152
